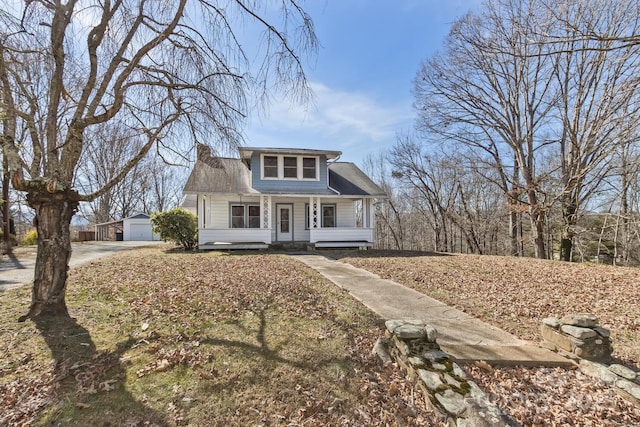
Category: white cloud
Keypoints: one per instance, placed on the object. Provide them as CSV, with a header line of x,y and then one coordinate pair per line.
x,y
354,123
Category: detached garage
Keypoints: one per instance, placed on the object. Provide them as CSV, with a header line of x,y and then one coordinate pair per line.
x,y
136,227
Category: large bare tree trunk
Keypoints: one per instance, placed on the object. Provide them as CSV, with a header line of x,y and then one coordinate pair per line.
x,y
569,220
6,212
53,217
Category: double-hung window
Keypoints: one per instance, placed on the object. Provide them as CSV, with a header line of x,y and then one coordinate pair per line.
x,y
328,215
254,216
328,218
309,168
281,167
291,167
237,216
245,216
270,166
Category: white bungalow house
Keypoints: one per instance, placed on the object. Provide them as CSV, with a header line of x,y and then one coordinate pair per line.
x,y
279,196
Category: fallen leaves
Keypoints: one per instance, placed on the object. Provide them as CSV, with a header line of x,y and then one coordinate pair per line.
x,y
554,396
208,339
515,294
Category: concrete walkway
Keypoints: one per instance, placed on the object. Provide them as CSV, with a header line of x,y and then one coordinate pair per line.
x,y
464,337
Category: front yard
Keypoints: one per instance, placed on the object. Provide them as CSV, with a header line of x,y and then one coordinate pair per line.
x,y
168,338
162,338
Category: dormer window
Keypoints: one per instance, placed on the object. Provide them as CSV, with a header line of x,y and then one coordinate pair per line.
x,y
282,167
291,167
270,166
309,167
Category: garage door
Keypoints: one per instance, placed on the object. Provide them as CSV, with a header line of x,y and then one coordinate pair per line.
x,y
141,232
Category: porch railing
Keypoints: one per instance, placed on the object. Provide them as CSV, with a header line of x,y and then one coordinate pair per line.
x,y
234,235
341,234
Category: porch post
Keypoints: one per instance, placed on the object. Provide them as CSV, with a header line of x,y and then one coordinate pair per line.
x,y
199,210
372,216
265,202
314,212
366,212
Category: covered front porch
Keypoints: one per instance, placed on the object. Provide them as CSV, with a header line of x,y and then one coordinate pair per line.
x,y
258,222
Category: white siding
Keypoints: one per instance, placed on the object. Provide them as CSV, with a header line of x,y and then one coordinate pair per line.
x,y
218,209
217,219
345,213
138,229
234,235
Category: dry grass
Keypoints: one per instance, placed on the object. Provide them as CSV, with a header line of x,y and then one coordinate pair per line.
x,y
161,338
515,294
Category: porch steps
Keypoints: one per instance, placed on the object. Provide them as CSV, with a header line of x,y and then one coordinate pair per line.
x,y
360,244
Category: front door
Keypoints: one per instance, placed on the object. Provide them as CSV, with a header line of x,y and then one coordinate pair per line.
x,y
285,223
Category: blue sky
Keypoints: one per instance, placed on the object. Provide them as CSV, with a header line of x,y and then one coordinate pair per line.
x,y
362,75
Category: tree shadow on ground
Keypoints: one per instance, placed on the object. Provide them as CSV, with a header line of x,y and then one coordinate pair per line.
x,y
91,378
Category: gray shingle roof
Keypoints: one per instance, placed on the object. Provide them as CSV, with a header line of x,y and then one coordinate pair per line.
x,y
216,175
348,179
220,175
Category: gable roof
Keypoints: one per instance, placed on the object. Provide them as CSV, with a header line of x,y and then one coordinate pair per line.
x,y
219,175
246,152
346,178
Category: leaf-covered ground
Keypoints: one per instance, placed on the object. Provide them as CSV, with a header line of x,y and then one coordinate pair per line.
x,y
515,295
161,338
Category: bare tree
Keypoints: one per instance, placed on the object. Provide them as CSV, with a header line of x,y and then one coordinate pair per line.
x,y
162,185
389,212
598,104
570,13
171,73
431,195
487,92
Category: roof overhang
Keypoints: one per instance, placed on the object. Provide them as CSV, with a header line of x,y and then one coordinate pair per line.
x,y
247,152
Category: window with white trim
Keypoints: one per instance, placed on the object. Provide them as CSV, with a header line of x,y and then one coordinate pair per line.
x,y
254,216
245,216
328,215
282,167
328,218
290,167
309,167
270,166
237,216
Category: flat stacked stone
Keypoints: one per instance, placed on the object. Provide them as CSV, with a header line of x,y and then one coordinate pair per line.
x,y
413,346
578,335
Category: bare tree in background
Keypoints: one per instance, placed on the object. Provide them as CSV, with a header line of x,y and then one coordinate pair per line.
x,y
602,13
390,212
107,151
528,87
598,100
162,185
169,73
489,92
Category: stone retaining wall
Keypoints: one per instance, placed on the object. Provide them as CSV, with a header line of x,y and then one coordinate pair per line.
x,y
579,337
412,344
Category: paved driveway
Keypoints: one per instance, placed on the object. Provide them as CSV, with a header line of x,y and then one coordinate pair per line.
x,y
18,270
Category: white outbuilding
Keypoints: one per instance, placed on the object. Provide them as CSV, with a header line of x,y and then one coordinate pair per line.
x,y
138,227
135,227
